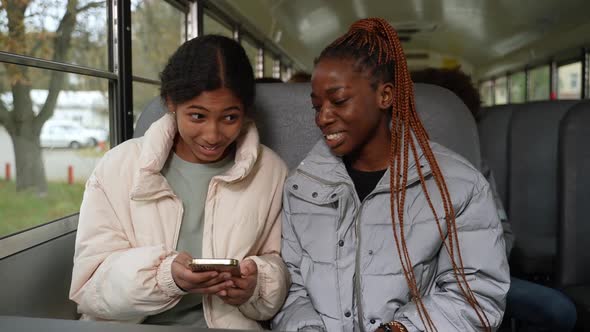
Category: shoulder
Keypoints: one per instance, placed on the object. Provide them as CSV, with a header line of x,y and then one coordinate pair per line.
x,y
120,160
457,169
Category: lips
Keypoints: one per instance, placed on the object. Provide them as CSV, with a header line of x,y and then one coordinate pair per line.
x,y
334,139
210,150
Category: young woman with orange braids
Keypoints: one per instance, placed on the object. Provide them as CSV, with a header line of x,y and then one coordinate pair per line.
x,y
382,229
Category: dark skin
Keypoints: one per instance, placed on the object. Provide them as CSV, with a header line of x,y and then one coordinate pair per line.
x,y
352,115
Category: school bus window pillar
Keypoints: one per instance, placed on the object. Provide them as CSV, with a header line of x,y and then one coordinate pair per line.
x,y
195,24
553,80
508,89
586,74
526,84
260,63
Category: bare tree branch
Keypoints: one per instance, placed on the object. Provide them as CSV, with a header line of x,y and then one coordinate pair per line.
x,y
61,46
90,6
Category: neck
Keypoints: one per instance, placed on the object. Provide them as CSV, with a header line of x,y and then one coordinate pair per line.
x,y
374,154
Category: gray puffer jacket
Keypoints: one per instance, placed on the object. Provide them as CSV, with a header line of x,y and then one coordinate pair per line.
x,y
344,264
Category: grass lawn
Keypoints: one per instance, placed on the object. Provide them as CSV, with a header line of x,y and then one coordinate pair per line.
x,y
22,210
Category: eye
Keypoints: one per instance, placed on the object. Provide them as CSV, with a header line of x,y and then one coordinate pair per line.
x,y
197,116
231,117
340,102
317,108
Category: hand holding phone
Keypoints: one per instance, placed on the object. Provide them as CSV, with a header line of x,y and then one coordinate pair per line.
x,y
205,282
245,284
216,264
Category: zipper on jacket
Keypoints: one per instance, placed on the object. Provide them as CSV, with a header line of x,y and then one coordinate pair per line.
x,y
357,238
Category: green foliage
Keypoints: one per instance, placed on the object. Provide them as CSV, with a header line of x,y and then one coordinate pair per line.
x,y
26,209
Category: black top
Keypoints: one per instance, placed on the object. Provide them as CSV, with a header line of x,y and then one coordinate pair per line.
x,y
364,182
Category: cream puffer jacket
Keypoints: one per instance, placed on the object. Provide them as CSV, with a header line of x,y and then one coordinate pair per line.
x,y
130,220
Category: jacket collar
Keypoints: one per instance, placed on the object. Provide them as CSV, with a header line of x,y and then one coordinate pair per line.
x,y
149,183
321,163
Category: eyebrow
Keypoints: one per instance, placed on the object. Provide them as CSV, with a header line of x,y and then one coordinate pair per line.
x,y
199,107
329,91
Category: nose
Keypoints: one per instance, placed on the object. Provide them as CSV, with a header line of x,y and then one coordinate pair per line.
x,y
211,133
324,117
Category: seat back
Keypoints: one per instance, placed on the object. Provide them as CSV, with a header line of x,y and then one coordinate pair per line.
x,y
574,176
286,121
494,131
36,282
533,197
448,121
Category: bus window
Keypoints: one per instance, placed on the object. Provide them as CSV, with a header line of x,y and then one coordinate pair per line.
x,y
252,53
88,46
538,84
44,174
570,81
517,88
485,90
268,63
285,73
54,125
157,29
213,26
143,93
500,89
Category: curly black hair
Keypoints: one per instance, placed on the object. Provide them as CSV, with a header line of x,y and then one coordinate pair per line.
x,y
207,63
453,79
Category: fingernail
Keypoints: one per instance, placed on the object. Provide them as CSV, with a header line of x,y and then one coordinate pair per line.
x,y
230,283
223,293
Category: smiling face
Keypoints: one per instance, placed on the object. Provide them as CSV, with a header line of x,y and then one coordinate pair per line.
x,y
207,125
351,114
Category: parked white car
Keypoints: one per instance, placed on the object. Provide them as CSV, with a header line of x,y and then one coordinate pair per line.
x,y
66,134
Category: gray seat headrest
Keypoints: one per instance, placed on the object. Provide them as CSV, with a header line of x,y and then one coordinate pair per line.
x,y
284,116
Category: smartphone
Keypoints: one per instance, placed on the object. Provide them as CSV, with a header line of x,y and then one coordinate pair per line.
x,y
216,264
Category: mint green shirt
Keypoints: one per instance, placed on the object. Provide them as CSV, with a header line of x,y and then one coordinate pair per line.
x,y
190,182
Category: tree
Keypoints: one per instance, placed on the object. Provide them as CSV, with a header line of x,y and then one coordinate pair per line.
x,y
21,121
157,31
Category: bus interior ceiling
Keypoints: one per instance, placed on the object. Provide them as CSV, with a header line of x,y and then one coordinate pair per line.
x,y
532,142
485,38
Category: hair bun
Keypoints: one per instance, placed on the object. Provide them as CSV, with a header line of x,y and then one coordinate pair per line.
x,y
374,25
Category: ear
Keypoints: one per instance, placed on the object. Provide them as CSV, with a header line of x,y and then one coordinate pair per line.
x,y
170,105
385,95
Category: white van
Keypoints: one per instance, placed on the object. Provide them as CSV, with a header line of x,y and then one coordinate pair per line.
x,y
67,134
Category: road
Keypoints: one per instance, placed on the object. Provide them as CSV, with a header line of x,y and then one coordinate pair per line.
x,y
56,161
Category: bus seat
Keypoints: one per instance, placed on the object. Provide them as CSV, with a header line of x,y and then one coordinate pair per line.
x,y
574,163
533,196
36,281
286,120
152,112
493,124
448,121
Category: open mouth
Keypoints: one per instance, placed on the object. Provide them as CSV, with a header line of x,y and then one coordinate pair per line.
x,y
334,136
210,150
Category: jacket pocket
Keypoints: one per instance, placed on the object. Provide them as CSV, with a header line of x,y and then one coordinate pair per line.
x,y
316,228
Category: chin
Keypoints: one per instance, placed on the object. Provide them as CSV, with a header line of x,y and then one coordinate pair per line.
x,y
340,151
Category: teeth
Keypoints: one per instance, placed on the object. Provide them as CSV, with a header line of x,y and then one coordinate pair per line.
x,y
334,136
209,149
